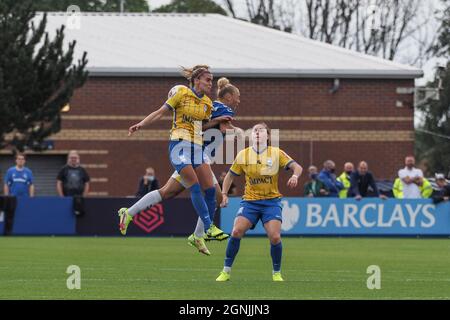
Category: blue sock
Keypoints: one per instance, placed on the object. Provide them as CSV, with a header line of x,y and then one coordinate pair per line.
x,y
232,250
210,199
199,204
275,252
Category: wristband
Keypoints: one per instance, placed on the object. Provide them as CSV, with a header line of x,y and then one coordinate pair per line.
x,y
295,176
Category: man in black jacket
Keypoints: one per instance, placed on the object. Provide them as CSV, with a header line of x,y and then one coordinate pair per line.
x,y
73,181
361,179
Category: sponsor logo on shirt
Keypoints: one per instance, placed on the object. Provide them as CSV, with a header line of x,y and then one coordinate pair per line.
x,y
260,180
187,119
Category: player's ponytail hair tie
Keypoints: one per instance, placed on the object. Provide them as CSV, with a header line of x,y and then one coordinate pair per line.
x,y
195,72
224,86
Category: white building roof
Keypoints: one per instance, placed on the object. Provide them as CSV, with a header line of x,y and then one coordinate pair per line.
x,y
136,44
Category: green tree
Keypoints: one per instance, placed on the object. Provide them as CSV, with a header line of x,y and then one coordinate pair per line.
x,y
433,136
192,6
92,5
37,77
442,47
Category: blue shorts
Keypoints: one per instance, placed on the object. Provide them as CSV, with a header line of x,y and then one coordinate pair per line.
x,y
183,153
265,210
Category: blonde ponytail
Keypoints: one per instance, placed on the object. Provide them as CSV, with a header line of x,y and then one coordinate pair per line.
x,y
224,86
222,82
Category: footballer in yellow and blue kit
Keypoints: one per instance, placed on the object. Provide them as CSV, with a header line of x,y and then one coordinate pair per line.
x,y
189,111
262,199
219,110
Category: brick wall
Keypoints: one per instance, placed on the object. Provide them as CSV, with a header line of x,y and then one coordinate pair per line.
x,y
358,122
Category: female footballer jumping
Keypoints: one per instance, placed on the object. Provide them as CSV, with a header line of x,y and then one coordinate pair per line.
x,y
261,201
228,99
190,106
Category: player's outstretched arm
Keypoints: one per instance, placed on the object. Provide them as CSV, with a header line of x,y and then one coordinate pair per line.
x,y
293,180
152,117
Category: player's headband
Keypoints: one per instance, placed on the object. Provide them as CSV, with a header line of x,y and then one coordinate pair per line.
x,y
199,72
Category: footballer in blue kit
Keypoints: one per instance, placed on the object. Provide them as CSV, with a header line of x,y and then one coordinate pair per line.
x,y
220,110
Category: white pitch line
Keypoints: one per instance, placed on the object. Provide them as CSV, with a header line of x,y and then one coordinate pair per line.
x,y
111,280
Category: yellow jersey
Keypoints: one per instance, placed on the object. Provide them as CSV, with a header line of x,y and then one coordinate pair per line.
x,y
261,172
189,110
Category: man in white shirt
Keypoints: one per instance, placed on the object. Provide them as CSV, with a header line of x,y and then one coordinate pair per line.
x,y
412,179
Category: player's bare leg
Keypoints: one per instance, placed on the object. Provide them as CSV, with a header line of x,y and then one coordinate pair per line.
x,y
171,189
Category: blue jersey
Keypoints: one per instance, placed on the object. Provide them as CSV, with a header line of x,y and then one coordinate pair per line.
x,y
219,110
19,181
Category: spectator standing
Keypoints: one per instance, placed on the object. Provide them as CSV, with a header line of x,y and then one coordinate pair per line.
x,y
411,178
328,177
18,182
147,183
19,179
314,187
344,178
73,179
361,180
444,192
426,189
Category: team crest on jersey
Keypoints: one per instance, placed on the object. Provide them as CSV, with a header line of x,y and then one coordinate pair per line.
x,y
269,162
174,90
205,107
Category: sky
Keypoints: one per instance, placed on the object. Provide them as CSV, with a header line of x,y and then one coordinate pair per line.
x,y
428,67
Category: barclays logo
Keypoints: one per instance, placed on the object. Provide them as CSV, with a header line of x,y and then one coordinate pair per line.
x,y
371,215
348,216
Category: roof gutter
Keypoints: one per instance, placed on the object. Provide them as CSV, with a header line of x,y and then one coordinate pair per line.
x,y
261,73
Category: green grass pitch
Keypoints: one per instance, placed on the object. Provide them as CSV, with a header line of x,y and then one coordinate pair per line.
x,y
167,268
